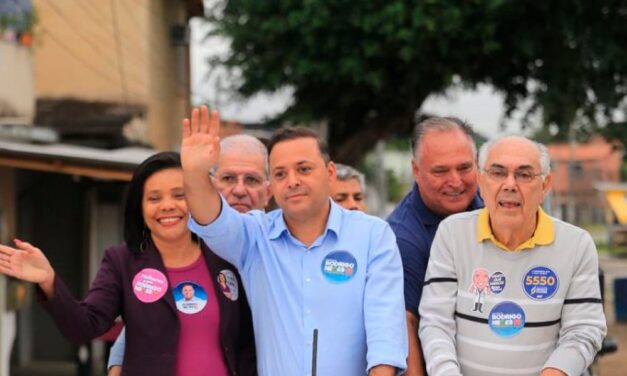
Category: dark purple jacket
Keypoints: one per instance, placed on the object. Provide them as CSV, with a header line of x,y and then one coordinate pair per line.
x,y
152,329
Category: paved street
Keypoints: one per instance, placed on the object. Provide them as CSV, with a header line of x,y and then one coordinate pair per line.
x,y
614,364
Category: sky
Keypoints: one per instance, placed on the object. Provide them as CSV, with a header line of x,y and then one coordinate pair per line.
x,y
482,108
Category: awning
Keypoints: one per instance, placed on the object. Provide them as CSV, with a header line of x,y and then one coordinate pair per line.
x,y
616,195
117,164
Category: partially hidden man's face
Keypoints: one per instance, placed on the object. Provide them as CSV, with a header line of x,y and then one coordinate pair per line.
x,y
300,178
188,292
241,179
445,171
349,194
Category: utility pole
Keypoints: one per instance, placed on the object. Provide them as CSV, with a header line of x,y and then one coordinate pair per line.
x,y
380,178
571,194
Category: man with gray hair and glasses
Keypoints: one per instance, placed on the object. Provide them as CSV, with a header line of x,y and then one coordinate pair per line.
x,y
348,189
510,290
241,174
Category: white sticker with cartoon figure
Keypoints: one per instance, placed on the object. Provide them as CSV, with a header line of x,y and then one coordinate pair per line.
x,y
227,283
480,287
190,297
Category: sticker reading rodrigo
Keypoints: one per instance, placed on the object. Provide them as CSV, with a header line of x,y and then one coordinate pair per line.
x,y
497,282
149,285
540,283
190,297
506,319
339,266
227,282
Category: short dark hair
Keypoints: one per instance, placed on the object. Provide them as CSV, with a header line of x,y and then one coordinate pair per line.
x,y
135,231
293,133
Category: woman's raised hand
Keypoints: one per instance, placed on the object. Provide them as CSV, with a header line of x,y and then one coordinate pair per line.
x,y
26,262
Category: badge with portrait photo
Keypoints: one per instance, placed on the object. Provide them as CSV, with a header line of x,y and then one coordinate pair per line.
x,y
227,283
190,297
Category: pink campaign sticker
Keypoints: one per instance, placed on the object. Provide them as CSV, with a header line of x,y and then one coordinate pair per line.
x,y
149,285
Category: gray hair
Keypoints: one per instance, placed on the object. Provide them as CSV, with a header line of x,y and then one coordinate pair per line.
x,y
545,159
245,144
345,172
440,124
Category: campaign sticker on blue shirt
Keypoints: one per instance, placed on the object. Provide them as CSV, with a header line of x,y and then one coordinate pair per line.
x,y
497,282
339,266
540,283
506,319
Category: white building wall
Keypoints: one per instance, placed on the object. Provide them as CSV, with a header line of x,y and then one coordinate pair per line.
x,y
17,97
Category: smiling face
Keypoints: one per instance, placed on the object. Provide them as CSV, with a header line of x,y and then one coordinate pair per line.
x,y
445,171
164,207
513,205
300,178
241,179
188,292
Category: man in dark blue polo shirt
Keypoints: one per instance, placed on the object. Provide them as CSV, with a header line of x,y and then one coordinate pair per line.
x,y
444,166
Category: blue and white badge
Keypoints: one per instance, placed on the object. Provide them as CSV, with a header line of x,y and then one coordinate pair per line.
x,y
497,282
339,266
506,319
190,297
540,283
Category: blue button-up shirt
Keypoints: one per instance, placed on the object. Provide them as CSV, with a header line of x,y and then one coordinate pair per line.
x,y
348,284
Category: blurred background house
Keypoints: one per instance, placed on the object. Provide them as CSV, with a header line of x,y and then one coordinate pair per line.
x,y
577,168
88,90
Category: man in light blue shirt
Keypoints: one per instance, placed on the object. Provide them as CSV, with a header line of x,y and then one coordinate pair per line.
x,y
308,265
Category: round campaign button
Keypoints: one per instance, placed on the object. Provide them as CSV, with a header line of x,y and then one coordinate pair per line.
x,y
540,283
227,282
339,266
497,282
506,319
190,297
149,285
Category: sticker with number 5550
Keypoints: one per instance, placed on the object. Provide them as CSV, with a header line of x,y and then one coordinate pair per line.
x,y
540,283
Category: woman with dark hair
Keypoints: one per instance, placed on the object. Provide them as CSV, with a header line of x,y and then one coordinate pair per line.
x,y
178,321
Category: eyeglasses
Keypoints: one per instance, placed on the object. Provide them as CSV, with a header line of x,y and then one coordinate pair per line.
x,y
521,175
231,180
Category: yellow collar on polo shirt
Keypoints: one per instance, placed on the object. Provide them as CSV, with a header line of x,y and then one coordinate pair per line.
x,y
544,234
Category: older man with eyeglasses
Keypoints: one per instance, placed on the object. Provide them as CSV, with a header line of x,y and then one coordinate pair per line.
x,y
510,290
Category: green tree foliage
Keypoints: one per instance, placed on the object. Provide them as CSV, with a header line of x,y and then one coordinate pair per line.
x,y
366,66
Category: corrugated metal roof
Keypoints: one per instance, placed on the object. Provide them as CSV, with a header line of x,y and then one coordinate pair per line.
x,y
117,164
127,157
